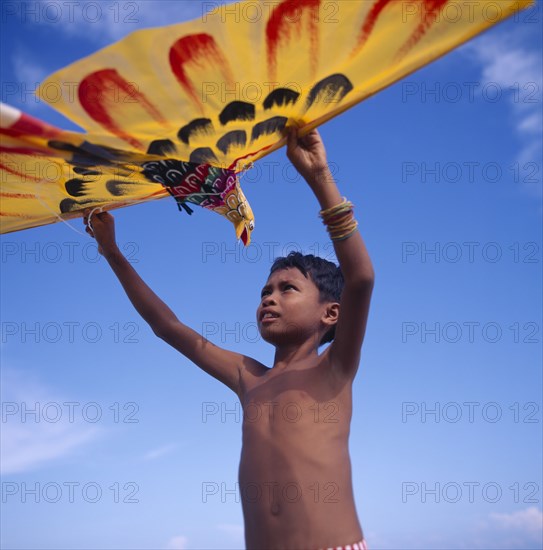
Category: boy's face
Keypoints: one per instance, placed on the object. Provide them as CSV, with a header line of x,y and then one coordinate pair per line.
x,y
290,309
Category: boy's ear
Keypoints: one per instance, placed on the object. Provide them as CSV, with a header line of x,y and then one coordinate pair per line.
x,y
331,314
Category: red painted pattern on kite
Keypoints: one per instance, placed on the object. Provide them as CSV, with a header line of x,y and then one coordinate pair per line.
x,y
17,195
28,151
284,20
103,93
23,175
370,21
233,166
31,126
430,11
427,10
18,215
192,53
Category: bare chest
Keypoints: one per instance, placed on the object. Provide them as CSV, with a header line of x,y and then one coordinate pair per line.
x,y
295,403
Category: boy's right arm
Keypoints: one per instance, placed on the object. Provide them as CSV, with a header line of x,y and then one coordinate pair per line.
x,y
222,364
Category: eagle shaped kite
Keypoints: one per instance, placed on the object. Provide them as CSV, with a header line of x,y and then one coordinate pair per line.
x,y
181,110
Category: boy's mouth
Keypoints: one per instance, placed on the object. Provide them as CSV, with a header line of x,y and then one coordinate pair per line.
x,y
267,316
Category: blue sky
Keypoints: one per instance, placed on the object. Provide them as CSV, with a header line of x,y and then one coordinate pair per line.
x,y
133,447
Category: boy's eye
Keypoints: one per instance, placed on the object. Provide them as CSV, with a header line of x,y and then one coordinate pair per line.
x,y
285,287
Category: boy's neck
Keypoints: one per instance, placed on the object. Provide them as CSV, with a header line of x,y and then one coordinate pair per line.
x,y
290,354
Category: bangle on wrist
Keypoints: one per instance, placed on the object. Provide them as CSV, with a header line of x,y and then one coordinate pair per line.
x,y
339,220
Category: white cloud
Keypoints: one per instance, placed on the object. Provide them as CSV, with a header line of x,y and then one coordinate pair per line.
x,y
160,451
515,70
26,70
111,20
100,23
168,12
233,534
528,521
232,529
29,441
499,531
177,543
28,74
519,529
530,124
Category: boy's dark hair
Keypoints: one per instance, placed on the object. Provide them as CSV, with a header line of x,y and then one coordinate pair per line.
x,y
326,275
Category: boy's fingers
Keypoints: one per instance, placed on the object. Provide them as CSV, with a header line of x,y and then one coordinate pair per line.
x,y
292,136
102,216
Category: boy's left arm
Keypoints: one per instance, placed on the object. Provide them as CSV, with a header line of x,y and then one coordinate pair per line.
x,y
309,156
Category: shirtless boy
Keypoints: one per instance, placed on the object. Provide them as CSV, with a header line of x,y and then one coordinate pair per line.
x,y
295,470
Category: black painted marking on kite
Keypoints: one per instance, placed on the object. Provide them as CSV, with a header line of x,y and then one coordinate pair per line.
x,y
331,89
270,126
75,187
84,171
71,205
237,110
196,127
116,188
235,138
281,97
88,154
89,149
163,147
67,205
79,157
61,145
203,155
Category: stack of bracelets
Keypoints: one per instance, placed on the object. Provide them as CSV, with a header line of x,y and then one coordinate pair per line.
x,y
339,220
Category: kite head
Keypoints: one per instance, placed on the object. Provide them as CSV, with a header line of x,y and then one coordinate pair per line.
x,y
243,219
245,227
211,187
236,208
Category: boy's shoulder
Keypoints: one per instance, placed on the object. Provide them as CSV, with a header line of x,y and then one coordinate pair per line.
x,y
252,367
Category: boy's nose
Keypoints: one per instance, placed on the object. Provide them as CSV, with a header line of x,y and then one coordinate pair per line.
x,y
268,300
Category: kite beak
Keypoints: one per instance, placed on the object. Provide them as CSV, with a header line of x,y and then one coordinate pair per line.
x,y
245,237
243,231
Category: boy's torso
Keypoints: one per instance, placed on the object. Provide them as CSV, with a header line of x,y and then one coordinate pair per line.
x,y
295,472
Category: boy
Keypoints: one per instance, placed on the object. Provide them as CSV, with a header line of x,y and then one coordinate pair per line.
x,y
295,472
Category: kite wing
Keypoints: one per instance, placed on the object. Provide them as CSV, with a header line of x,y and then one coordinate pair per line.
x,y
200,101
50,175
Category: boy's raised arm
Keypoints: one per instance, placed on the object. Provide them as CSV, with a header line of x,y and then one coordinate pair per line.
x,y
222,364
309,157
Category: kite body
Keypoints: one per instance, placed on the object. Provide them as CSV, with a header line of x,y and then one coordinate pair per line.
x,y
181,110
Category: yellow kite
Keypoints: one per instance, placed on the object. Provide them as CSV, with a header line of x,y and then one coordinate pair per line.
x,y
182,109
